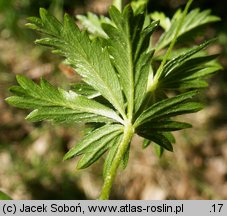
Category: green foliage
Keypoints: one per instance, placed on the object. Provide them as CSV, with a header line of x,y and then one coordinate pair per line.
x,y
194,19
95,144
4,196
123,91
195,69
82,53
128,45
57,104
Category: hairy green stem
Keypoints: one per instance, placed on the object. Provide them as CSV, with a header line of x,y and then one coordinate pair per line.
x,y
128,133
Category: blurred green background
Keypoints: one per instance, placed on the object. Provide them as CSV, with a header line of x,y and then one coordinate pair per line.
x,y
31,153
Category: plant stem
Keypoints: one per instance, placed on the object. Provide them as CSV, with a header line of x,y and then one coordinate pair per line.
x,y
128,133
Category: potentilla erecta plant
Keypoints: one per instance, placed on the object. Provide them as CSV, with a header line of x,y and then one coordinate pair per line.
x,y
125,80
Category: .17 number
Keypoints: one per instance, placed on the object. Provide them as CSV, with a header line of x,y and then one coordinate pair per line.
x,y
217,207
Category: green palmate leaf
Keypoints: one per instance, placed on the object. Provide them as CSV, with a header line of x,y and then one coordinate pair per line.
x,y
58,105
95,144
92,137
95,151
193,20
193,77
169,107
183,59
122,92
83,54
128,45
157,131
186,71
